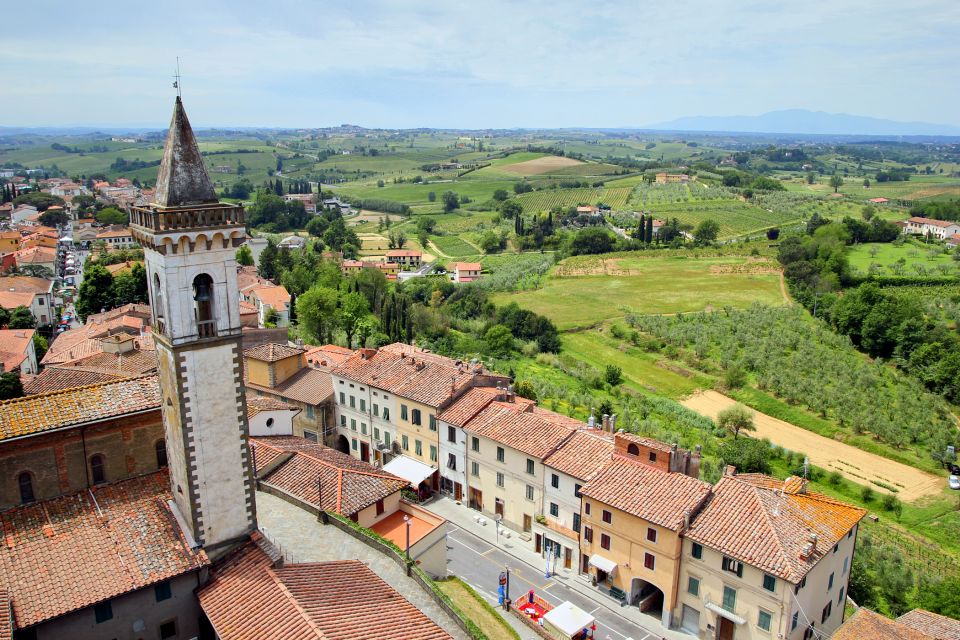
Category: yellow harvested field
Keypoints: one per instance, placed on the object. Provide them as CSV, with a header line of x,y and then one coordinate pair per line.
x,y
854,464
534,167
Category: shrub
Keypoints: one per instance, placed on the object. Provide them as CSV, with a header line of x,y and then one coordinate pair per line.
x,y
834,479
867,495
613,375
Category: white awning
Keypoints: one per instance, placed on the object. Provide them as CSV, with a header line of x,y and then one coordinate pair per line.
x,y
413,471
604,564
568,618
723,613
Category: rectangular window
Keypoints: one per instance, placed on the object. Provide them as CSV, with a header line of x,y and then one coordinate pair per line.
x,y
576,489
405,442
499,479
729,599
363,404
353,444
653,457
586,508
576,522
554,509
588,534
161,591
648,561
827,610
693,586
452,461
363,428
433,453
380,507
310,412
769,582
651,534
343,398
763,620
607,516
353,402
386,438
168,629
343,421
830,582
415,416
500,454
451,434
353,424
376,434
311,436
433,422
554,481
733,566
846,565
530,492
403,412
530,466
835,547
604,541
475,444
102,612
840,599
418,447
386,413
794,620
474,469
376,409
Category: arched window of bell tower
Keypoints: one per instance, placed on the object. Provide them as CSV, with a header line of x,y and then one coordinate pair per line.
x,y
203,306
158,301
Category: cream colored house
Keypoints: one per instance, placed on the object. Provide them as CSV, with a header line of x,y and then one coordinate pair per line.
x,y
766,559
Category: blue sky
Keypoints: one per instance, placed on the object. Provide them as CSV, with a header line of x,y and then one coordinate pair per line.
x,y
476,64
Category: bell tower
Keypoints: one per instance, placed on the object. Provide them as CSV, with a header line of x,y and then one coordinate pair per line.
x,y
189,239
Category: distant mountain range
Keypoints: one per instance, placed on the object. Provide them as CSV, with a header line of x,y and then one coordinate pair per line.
x,y
800,121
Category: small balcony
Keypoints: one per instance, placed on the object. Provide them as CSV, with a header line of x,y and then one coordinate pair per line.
x,y
207,329
200,217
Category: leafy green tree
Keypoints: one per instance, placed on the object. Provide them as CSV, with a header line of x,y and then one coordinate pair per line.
x,y
500,195
10,386
736,419
613,375
499,340
492,242
317,312
54,217
129,286
707,231
450,201
836,181
432,196
510,209
396,239
96,292
268,267
4,317
592,240
747,455
36,271
42,201
21,318
112,215
40,346
244,256
524,389
941,597
353,309
648,233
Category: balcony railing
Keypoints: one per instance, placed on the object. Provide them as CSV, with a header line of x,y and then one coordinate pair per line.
x,y
207,329
160,220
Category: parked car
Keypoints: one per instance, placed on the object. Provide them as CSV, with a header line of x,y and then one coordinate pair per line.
x,y
954,482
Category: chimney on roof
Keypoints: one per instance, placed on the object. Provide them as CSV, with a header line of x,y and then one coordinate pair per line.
x,y
686,520
613,423
510,394
592,420
811,547
730,470
606,422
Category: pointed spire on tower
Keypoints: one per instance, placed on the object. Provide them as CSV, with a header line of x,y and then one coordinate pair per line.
x,y
182,179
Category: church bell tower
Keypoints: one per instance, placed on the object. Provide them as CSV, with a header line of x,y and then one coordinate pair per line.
x,y
189,239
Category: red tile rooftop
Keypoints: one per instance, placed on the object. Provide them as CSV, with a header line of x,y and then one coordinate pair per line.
x,y
393,528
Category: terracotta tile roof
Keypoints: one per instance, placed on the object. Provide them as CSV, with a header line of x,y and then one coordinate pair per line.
x,y
465,266
403,253
256,404
585,453
132,309
328,355
25,284
508,424
6,618
932,624
309,386
60,409
114,269
36,255
12,300
468,405
75,344
867,625
932,222
247,308
552,416
249,599
14,344
271,352
656,445
749,519
347,484
56,379
275,296
647,492
126,365
71,552
115,233
410,373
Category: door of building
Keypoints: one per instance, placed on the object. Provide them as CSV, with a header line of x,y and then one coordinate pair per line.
x,y
476,499
725,630
537,542
690,620
527,524
584,563
567,557
498,507
457,491
365,452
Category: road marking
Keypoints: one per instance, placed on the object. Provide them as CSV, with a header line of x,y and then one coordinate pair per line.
x,y
487,551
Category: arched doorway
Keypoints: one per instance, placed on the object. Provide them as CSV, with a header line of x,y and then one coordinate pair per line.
x,y
647,597
343,445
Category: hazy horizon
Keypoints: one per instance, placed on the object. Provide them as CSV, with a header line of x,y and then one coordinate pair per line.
x,y
491,65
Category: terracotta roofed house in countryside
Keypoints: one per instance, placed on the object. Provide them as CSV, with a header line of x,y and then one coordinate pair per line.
x,y
933,624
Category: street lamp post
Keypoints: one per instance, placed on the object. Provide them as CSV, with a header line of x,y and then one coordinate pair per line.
x,y
406,520
496,521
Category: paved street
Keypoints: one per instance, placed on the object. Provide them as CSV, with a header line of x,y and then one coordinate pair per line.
x,y
480,563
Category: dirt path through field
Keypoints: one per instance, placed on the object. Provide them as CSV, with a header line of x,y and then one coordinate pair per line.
x,y
853,463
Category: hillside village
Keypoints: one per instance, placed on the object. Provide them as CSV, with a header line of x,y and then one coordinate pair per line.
x,y
179,463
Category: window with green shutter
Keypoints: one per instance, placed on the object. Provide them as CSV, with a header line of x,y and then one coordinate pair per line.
x,y
764,620
729,599
693,586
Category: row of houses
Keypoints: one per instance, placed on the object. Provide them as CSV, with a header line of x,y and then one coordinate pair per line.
x,y
751,555
943,230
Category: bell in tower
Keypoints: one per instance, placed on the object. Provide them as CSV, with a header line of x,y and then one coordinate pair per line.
x,y
190,239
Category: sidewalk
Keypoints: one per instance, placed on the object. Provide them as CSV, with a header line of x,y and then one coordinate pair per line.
x,y
464,518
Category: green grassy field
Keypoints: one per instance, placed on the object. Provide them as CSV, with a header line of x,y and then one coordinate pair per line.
x,y
454,246
914,258
546,199
585,290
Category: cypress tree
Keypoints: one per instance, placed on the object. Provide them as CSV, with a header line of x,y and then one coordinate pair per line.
x,y
641,228
278,187
648,238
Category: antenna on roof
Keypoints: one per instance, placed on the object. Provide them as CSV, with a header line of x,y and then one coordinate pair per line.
x,y
176,76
